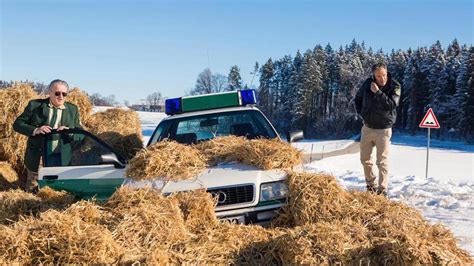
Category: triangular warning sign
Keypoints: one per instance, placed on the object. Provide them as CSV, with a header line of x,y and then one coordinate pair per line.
x,y
429,121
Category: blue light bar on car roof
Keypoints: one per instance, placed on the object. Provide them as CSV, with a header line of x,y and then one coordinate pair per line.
x,y
248,97
209,101
173,106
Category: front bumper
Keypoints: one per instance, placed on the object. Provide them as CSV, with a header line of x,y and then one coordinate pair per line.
x,y
255,215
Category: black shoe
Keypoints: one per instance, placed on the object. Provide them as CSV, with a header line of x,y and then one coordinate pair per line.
x,y
371,189
382,192
35,190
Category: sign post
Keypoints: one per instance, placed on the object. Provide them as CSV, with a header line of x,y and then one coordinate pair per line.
x,y
429,122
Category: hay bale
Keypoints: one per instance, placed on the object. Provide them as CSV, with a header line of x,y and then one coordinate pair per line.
x,y
8,177
13,101
17,203
168,160
126,145
125,122
81,99
173,161
270,154
312,198
119,128
198,210
400,234
397,233
60,238
221,149
145,221
323,243
263,153
227,244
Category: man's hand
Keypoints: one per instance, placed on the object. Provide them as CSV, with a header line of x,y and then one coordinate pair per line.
x,y
373,87
62,128
43,130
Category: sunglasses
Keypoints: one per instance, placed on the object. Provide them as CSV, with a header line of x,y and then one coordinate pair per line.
x,y
59,93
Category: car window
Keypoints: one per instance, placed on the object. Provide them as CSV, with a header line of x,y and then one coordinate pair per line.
x,y
73,149
188,130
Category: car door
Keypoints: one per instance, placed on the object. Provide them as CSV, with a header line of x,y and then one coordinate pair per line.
x,y
78,162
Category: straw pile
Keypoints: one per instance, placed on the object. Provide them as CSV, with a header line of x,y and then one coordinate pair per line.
x,y
142,226
119,128
16,203
270,154
174,161
8,177
81,99
221,149
229,244
13,101
376,229
72,236
263,153
145,221
322,243
197,208
168,160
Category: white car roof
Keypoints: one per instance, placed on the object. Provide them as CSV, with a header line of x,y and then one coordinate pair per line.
x,y
212,111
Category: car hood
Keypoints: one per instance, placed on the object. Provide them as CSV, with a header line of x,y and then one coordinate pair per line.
x,y
222,175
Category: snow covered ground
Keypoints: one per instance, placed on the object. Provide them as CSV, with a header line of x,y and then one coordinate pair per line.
x,y
446,196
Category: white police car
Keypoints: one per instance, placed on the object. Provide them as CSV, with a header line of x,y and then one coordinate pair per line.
x,y
245,193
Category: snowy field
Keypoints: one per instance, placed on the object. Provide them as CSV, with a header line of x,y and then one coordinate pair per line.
x,y
446,196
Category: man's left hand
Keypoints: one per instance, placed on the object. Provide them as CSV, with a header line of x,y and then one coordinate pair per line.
x,y
374,88
62,128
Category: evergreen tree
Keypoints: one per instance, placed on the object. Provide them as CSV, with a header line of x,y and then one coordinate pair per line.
x,y
352,76
322,96
453,62
234,80
437,82
463,100
310,85
314,92
333,82
396,66
294,86
280,97
417,89
265,89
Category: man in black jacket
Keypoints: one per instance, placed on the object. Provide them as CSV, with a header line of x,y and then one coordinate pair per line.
x,y
377,101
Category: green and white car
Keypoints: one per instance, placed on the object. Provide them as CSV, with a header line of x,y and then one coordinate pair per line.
x,y
246,194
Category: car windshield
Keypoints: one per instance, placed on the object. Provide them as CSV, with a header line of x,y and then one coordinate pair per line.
x,y
189,130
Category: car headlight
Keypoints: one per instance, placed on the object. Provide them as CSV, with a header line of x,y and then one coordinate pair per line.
x,y
273,191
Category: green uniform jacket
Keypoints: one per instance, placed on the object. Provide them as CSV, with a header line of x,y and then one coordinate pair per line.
x,y
36,115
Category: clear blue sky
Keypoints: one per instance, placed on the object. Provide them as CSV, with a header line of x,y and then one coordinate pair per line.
x,y
134,48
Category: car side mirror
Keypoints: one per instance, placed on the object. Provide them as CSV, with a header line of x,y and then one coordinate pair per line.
x,y
294,136
111,158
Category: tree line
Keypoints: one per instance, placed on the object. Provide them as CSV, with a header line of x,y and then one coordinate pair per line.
x,y
314,91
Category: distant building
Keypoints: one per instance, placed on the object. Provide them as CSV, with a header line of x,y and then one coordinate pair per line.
x,y
148,107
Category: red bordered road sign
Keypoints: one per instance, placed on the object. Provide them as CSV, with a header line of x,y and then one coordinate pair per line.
x,y
429,121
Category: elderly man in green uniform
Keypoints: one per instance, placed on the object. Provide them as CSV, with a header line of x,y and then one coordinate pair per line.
x,y
39,118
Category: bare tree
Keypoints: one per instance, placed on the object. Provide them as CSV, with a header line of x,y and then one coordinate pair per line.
x,y
154,98
219,83
99,100
209,83
203,83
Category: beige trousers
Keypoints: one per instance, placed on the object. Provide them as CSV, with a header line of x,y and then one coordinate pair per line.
x,y
31,180
380,139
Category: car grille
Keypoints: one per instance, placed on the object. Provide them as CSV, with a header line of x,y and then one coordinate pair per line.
x,y
233,195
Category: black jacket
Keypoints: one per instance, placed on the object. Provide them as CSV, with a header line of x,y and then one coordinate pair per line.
x,y
379,110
